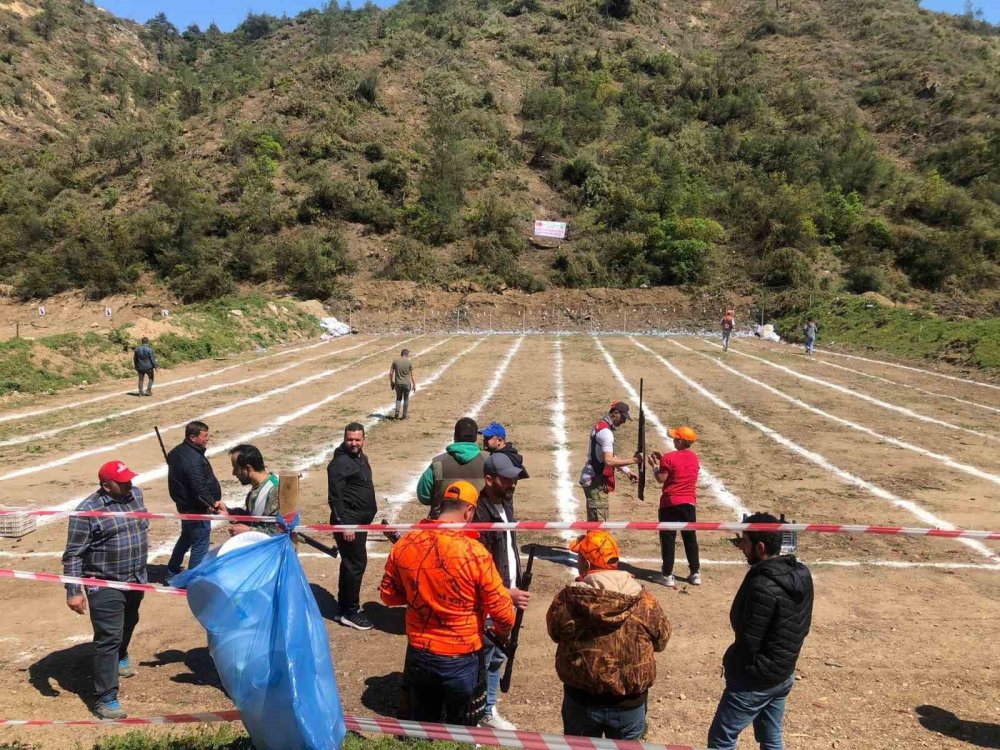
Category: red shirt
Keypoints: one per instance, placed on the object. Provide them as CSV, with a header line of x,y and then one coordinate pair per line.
x,y
681,470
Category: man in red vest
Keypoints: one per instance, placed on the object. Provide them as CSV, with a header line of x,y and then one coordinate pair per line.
x,y
598,475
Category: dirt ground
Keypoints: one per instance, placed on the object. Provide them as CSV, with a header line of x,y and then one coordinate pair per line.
x,y
903,651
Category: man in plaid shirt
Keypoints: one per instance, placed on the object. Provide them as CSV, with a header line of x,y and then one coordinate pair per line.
x,y
113,549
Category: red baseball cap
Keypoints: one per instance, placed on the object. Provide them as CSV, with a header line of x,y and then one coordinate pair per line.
x,y
115,471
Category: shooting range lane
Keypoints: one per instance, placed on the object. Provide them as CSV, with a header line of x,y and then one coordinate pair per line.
x,y
879,645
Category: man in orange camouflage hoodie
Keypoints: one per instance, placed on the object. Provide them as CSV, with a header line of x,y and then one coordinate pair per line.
x,y
608,629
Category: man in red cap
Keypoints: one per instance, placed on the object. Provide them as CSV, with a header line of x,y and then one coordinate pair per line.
x,y
114,549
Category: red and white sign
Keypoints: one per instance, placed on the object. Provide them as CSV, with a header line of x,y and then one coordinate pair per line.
x,y
554,229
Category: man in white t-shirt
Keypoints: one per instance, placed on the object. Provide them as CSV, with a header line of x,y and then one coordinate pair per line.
x,y
598,475
496,505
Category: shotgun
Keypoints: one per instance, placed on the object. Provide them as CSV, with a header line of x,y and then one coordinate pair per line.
x,y
641,448
511,650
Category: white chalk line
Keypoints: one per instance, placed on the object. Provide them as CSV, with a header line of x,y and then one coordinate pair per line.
x,y
180,397
864,397
940,457
913,369
70,458
705,477
895,382
566,500
159,385
845,476
395,501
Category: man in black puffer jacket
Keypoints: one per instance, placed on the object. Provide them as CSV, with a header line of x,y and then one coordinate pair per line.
x,y
771,615
193,487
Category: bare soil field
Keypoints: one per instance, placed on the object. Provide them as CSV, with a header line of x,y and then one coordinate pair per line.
x,y
904,628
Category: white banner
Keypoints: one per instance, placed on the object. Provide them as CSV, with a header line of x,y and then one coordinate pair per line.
x,y
554,229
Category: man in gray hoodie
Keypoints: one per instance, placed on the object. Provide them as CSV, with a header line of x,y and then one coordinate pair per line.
x,y
145,364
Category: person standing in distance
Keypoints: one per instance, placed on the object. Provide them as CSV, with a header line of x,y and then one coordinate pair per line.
x,y
728,324
194,489
113,549
401,380
144,360
598,475
770,616
351,495
810,330
678,471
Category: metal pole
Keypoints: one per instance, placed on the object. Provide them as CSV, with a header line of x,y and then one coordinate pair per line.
x,y
524,320
17,330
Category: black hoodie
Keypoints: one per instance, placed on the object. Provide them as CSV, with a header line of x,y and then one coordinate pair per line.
x,y
350,489
771,615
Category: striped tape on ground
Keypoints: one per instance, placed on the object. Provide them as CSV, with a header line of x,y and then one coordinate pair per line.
x,y
148,588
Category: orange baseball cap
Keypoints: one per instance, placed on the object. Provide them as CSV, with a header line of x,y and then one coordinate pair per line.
x,y
683,433
463,491
599,549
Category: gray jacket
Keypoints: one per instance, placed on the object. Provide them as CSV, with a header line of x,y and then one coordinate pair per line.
x,y
144,359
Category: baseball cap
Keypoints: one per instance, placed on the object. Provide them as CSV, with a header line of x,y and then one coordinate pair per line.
x,y
494,429
463,491
683,433
115,471
622,408
502,465
599,549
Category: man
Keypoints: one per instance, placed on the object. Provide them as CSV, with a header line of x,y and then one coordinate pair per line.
x,y
261,500
113,549
728,324
402,382
678,472
145,364
598,475
607,628
810,331
194,489
460,460
496,505
495,441
450,585
770,616
351,495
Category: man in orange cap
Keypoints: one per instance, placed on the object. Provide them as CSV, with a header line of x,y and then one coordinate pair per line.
x,y
113,549
608,629
449,584
678,470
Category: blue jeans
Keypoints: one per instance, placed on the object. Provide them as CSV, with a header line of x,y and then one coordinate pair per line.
x,y
739,708
810,345
440,681
495,661
195,535
612,722
725,340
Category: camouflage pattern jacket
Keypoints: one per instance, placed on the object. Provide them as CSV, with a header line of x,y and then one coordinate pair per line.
x,y
608,629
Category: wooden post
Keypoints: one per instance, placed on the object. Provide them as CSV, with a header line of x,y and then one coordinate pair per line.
x,y
491,321
17,330
524,319
288,494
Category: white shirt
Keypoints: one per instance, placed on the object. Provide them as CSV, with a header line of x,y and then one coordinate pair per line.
x,y
511,553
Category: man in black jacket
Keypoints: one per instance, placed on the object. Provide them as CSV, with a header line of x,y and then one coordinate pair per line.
x,y
495,441
351,495
194,489
496,505
770,616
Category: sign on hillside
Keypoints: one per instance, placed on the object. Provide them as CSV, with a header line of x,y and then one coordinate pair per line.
x,y
554,229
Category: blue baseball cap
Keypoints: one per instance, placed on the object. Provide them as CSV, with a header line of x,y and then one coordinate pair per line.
x,y
494,429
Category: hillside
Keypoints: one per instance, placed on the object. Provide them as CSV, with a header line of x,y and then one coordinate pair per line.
x,y
730,144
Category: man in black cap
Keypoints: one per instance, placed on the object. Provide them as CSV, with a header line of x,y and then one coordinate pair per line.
x,y
462,459
598,475
496,505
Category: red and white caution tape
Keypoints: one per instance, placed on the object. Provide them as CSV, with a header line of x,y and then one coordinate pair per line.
x,y
420,730
148,588
819,528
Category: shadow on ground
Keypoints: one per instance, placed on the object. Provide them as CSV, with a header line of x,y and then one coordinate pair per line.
x,y
943,721
201,668
381,693
69,669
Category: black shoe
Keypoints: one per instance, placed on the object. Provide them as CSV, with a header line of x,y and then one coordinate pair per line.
x,y
356,620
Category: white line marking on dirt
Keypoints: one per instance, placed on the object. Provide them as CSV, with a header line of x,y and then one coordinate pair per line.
x,y
900,564
159,385
913,369
864,397
28,470
173,399
947,460
821,461
705,477
566,499
395,501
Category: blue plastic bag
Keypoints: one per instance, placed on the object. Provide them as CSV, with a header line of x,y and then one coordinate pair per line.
x,y
269,644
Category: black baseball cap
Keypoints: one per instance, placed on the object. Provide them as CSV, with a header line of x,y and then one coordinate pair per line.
x,y
622,408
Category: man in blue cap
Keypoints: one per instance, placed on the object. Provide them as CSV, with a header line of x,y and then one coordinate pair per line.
x,y
495,441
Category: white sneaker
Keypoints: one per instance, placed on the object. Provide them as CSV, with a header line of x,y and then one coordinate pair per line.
x,y
695,579
667,581
496,721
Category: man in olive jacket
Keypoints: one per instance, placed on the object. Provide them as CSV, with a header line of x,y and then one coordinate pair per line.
x,y
608,629
770,616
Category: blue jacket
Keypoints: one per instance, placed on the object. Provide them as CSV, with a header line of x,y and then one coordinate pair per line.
x,y
144,359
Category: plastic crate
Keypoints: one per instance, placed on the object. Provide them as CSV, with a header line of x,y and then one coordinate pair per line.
x,y
16,525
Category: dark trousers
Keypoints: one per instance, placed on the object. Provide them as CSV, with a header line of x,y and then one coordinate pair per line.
x,y
353,561
438,682
195,536
402,401
668,539
146,374
114,615
612,722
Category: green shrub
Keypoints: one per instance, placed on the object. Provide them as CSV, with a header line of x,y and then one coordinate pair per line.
x,y
410,260
391,179
785,267
311,262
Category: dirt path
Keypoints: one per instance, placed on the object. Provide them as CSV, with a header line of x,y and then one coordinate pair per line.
x,y
884,641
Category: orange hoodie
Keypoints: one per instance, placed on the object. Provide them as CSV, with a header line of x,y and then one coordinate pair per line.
x,y
449,584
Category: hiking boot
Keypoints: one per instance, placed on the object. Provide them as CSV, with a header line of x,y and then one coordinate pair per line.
x,y
695,579
356,620
667,581
110,710
496,721
125,668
